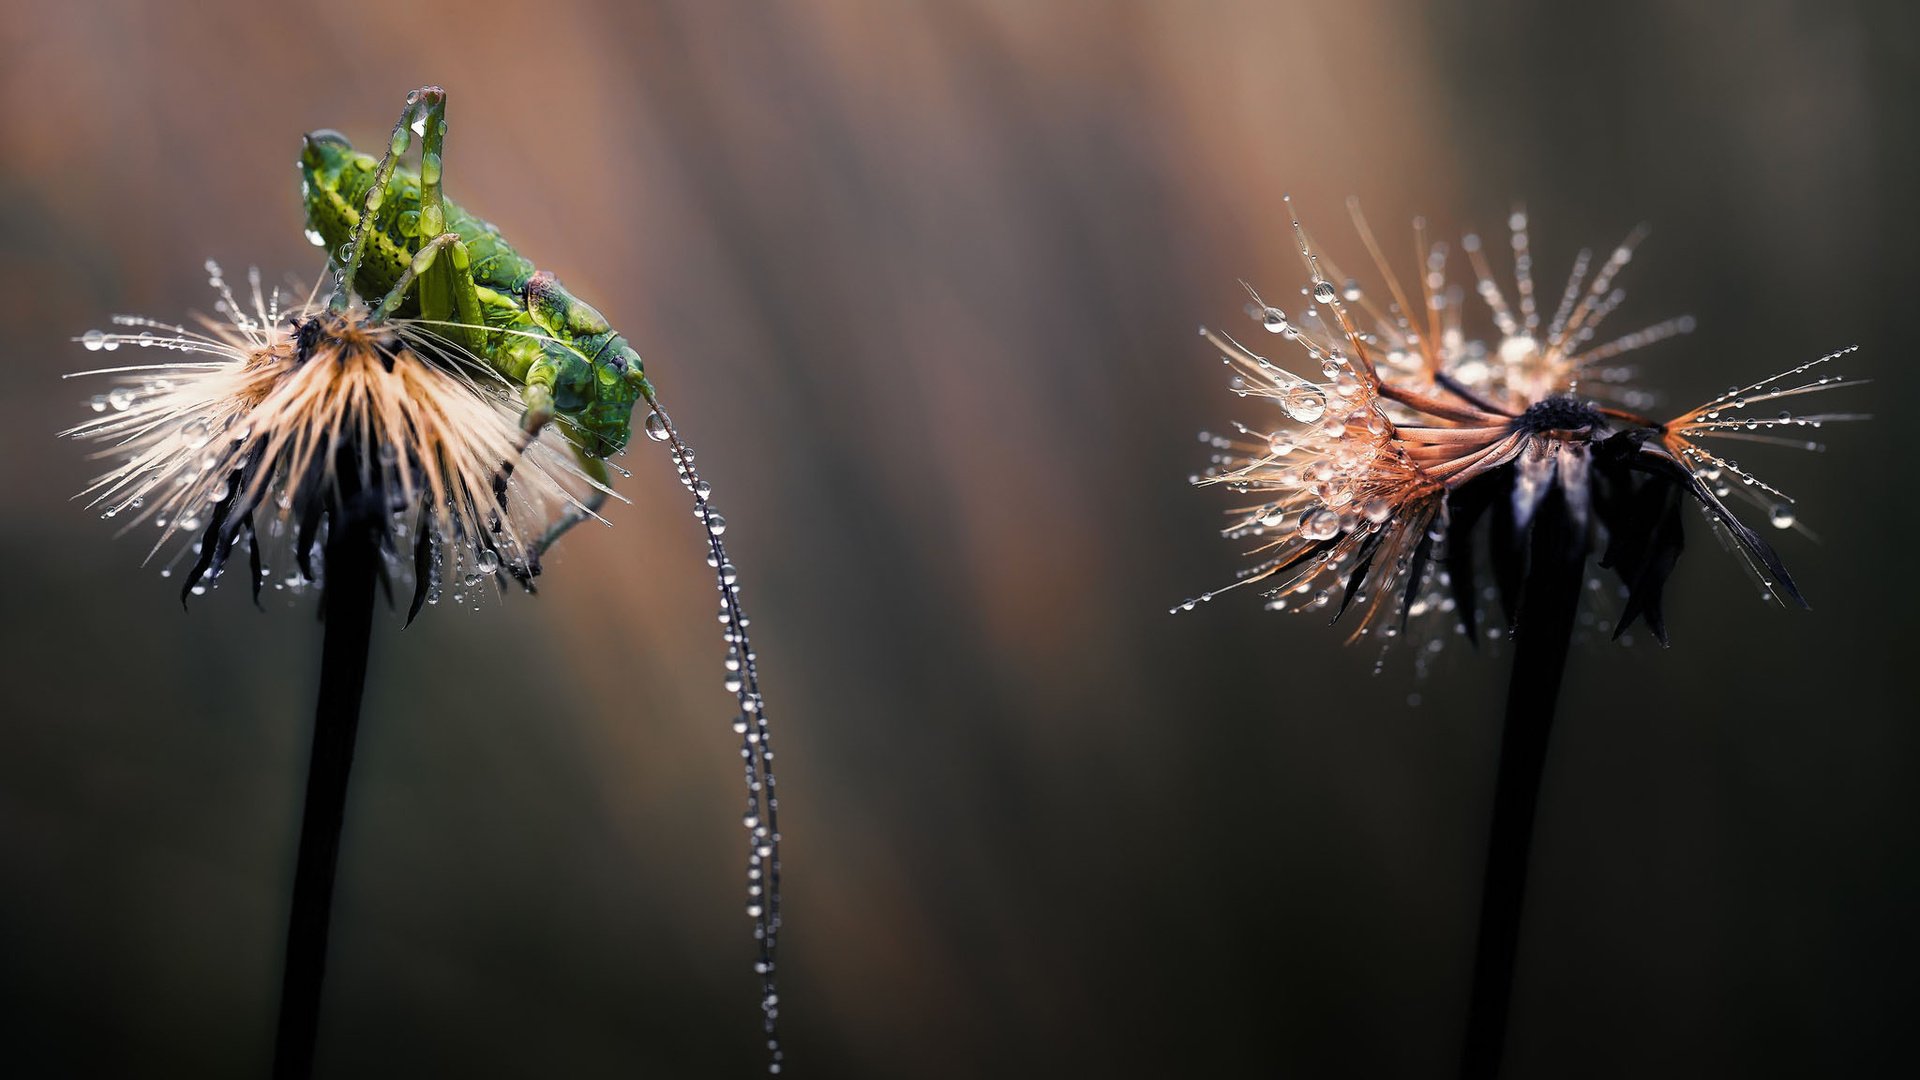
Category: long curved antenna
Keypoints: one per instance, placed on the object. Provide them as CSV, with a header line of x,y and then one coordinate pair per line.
x,y
762,818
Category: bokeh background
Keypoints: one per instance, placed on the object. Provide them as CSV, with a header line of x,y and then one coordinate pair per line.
x,y
920,282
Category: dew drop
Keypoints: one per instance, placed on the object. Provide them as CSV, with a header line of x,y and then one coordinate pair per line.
x,y
716,523
120,398
1321,524
656,427
1304,404
1781,515
1274,320
93,339
487,561
1323,292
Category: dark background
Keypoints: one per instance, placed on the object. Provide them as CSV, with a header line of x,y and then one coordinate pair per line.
x,y
920,283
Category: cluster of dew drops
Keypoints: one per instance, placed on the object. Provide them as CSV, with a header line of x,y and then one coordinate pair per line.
x,y
1309,405
741,679
1731,413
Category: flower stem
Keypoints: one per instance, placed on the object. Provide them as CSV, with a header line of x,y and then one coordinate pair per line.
x,y
1543,630
351,567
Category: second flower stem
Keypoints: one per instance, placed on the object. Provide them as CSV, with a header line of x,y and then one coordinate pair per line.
x,y
1543,629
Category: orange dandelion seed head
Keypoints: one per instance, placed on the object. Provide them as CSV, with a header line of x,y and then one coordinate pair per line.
x,y
1391,432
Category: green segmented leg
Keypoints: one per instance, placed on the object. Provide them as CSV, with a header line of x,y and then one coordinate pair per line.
x,y
465,313
376,194
538,397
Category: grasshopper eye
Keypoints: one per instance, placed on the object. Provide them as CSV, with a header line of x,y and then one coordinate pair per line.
x,y
624,359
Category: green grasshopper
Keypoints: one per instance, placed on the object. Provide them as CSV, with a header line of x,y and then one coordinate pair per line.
x,y
397,237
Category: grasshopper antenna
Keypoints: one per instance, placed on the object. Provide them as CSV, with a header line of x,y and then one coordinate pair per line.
x,y
762,818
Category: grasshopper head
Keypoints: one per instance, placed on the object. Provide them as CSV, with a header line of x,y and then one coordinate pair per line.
x,y
323,154
619,385
326,160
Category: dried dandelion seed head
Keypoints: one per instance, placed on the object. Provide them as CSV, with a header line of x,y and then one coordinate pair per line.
x,y
1366,480
283,425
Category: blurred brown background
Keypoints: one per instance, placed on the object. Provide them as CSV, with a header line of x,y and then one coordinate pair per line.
x,y
920,283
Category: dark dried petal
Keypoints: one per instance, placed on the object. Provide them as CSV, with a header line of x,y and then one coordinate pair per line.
x,y
216,542
1507,544
1357,577
253,559
1465,506
1416,576
1660,462
1645,536
422,570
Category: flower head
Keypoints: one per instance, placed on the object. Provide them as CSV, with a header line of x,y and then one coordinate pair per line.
x,y
283,425
1367,488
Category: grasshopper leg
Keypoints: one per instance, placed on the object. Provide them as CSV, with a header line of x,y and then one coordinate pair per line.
x,y
397,144
442,266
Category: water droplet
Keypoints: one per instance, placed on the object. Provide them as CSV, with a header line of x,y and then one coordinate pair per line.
x,y
93,339
98,403
314,237
487,561
1377,510
1274,320
656,427
120,398
1321,524
1350,291
1781,515
196,434
1304,403
716,523
1323,292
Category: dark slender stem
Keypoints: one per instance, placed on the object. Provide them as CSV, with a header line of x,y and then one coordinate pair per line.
x,y
351,568
1543,629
